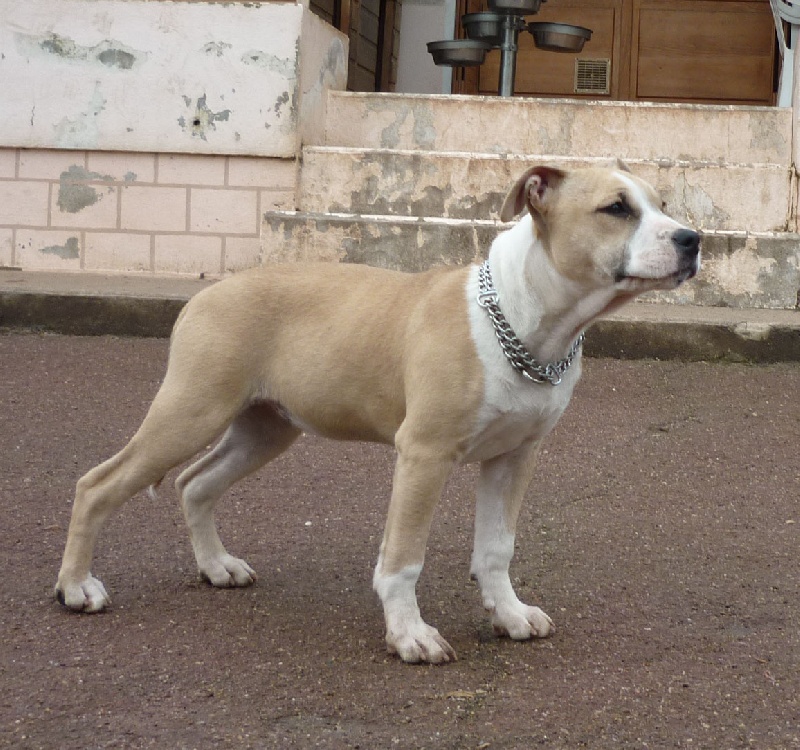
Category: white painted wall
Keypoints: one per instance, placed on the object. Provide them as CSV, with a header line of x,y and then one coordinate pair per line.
x,y
164,76
424,21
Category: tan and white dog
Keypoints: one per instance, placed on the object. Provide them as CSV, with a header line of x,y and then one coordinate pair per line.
x,y
420,361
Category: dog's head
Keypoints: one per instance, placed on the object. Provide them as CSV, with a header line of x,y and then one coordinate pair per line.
x,y
604,227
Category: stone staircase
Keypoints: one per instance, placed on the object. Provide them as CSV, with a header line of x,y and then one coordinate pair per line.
x,y
411,181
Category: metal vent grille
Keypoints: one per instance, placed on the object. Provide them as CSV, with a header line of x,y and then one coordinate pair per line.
x,y
593,76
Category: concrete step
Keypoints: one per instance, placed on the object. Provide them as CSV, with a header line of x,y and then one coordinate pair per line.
x,y
404,243
659,331
561,127
98,304
744,270
705,195
740,270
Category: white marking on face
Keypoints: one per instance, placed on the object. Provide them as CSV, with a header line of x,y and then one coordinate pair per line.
x,y
651,253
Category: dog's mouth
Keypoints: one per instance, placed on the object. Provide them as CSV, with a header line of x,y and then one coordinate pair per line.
x,y
687,273
670,281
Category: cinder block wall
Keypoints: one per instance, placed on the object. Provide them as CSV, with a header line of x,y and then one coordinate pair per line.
x,y
137,212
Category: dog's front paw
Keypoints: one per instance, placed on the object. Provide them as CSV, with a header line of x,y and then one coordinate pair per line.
x,y
88,595
419,642
520,622
227,571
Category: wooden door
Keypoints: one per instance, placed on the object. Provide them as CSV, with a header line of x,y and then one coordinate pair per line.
x,y
711,51
717,51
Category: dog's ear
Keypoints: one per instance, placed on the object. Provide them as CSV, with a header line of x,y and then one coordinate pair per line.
x,y
532,191
621,165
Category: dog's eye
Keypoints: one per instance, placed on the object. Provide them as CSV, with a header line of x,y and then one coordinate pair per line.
x,y
617,208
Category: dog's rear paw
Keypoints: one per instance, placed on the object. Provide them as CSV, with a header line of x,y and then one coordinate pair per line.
x,y
520,622
420,643
227,571
88,595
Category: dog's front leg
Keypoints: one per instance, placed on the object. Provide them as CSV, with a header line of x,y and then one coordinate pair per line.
x,y
501,487
419,477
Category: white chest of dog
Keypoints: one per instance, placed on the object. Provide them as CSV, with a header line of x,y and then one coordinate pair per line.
x,y
453,365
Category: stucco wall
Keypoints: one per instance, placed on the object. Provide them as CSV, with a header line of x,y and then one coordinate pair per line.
x,y
132,75
152,136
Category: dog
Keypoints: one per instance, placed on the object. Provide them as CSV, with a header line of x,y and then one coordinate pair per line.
x,y
469,364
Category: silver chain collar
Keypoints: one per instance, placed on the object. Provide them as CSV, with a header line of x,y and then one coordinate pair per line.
x,y
515,351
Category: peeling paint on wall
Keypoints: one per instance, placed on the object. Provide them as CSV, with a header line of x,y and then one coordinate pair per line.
x,y
217,48
81,131
110,53
742,272
283,66
767,139
70,250
331,73
701,211
203,119
423,131
117,58
280,102
111,75
74,194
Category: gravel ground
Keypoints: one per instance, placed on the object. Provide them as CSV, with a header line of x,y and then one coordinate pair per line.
x,y
661,534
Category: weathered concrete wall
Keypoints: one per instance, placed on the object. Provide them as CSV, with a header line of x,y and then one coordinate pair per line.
x,y
322,63
152,136
562,127
707,195
390,164
744,270
401,243
740,270
214,78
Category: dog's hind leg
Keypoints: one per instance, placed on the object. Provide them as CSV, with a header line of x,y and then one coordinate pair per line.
x,y
255,437
181,421
501,488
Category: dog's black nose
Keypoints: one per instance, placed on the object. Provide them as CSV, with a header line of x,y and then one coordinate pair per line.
x,y
687,241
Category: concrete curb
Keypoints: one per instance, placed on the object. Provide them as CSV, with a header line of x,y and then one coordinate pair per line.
x,y
83,304
89,315
692,341
94,305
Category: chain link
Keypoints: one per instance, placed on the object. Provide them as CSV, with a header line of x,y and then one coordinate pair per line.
x,y
515,351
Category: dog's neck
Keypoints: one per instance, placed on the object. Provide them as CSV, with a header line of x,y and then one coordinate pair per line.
x,y
546,310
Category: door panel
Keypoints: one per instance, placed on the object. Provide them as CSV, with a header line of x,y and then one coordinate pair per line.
x,y
704,51
714,51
